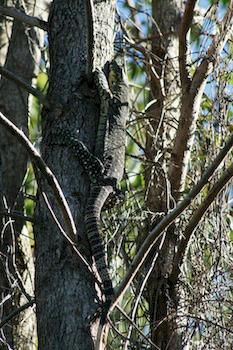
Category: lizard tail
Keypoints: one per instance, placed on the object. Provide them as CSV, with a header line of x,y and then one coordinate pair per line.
x,y
95,203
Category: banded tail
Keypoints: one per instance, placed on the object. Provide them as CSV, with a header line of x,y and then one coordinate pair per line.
x,y
96,200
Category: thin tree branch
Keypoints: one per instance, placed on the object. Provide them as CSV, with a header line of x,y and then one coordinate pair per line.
x,y
195,317
53,215
138,298
148,62
136,141
23,17
215,48
53,183
47,173
11,265
147,339
16,215
191,101
19,81
195,220
157,232
16,312
184,28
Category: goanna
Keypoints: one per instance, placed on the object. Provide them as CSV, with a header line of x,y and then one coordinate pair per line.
x,y
106,166
110,149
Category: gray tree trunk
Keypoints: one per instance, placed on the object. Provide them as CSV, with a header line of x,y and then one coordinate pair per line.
x,y
65,289
164,115
22,55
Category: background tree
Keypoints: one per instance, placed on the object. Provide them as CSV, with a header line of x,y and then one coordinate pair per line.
x,y
173,288
20,53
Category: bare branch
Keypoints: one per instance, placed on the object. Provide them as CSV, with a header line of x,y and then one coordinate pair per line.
x,y
16,215
52,181
148,62
184,28
19,81
191,101
147,339
11,264
16,312
136,142
23,17
195,220
215,48
138,296
195,317
157,232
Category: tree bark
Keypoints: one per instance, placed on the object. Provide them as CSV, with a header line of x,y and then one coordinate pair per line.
x,y
65,289
165,181
21,59
164,115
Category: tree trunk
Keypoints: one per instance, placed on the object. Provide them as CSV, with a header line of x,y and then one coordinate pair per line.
x,y
164,115
22,55
65,289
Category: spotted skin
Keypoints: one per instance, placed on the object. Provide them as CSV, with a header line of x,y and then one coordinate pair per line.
x,y
106,166
110,149
93,167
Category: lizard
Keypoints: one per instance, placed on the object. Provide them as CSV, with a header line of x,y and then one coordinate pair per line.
x,y
110,150
106,166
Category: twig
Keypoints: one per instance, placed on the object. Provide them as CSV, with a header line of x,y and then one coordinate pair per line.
x,y
136,327
19,81
16,312
52,181
139,294
16,215
148,63
156,233
191,100
214,49
52,213
210,322
196,218
11,266
136,142
23,17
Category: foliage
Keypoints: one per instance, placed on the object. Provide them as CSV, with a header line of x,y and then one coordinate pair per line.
x,y
205,286
205,282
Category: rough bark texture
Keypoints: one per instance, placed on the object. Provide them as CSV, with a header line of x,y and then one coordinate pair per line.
x,y
22,55
173,121
164,115
65,290
5,33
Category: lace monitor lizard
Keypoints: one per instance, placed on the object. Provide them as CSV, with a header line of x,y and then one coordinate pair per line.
x,y
110,150
105,167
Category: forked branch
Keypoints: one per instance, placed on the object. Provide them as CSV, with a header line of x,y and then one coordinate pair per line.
x,y
157,232
52,182
195,220
23,17
191,100
213,51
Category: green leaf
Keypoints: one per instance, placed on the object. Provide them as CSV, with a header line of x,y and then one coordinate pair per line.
x,y
230,235
42,81
195,33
